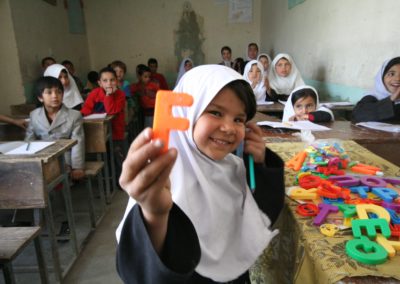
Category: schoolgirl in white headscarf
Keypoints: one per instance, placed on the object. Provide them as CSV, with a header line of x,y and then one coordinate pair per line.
x,y
232,231
284,85
265,60
72,97
383,102
254,75
186,65
303,104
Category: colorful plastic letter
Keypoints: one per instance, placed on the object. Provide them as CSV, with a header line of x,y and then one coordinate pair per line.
x,y
345,181
361,190
348,210
301,193
384,193
364,209
163,119
372,181
324,210
370,225
390,246
366,251
297,161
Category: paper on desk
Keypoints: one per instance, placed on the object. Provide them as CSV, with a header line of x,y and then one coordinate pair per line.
x,y
335,104
381,126
264,103
21,147
96,116
297,125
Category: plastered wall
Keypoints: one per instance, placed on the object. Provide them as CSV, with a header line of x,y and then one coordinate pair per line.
x,y
337,45
11,87
42,30
133,31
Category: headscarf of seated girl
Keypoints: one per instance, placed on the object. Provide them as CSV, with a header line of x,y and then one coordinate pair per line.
x,y
284,84
254,75
303,104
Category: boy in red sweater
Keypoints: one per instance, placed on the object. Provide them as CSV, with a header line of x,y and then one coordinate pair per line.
x,y
109,99
145,91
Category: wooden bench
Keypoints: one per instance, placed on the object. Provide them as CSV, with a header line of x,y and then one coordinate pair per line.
x,y
14,239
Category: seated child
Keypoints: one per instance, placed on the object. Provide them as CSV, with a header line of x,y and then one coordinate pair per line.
x,y
186,65
91,83
251,52
254,75
72,97
71,69
238,65
159,78
303,104
146,91
226,54
283,78
191,216
55,121
382,103
265,60
120,70
107,98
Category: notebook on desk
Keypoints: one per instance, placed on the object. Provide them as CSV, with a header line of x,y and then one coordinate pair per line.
x,y
95,116
294,125
23,148
395,128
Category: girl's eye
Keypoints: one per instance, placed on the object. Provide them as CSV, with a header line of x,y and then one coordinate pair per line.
x,y
215,113
239,120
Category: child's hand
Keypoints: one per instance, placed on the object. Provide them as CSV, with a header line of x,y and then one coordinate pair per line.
x,y
77,174
254,144
145,176
110,90
302,117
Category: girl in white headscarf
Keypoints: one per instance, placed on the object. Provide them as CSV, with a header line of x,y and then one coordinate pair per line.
x,y
382,103
186,65
265,60
254,75
303,104
283,77
191,216
72,97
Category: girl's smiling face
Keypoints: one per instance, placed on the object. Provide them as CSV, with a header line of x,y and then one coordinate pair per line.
x,y
283,67
391,79
221,127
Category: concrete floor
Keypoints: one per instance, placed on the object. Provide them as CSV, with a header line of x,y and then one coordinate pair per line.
x,y
96,262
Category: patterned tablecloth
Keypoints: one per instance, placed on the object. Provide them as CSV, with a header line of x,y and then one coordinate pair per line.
x,y
301,254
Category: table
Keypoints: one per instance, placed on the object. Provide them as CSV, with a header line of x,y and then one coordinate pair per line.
x,y
303,255
43,170
384,144
98,134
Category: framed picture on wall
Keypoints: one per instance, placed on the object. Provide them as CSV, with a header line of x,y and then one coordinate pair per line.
x,y
292,3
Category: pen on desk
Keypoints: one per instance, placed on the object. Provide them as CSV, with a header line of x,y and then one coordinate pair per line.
x,y
27,146
252,174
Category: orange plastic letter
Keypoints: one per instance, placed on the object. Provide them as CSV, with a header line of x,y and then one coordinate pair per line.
x,y
163,119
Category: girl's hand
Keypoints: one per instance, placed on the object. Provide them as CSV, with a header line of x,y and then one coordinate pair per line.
x,y
302,117
254,144
145,176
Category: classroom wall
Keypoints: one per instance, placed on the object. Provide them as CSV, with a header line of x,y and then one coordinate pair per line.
x,y
41,30
133,31
337,45
11,88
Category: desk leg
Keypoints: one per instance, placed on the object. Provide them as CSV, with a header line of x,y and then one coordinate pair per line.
x,y
53,241
112,162
106,175
68,205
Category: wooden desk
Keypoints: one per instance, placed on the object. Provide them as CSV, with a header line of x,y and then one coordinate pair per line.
x,y
11,132
301,254
98,134
384,144
272,108
42,171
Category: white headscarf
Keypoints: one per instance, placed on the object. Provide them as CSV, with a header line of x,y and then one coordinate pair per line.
x,y
259,90
232,230
269,62
380,91
72,97
182,69
284,85
288,111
